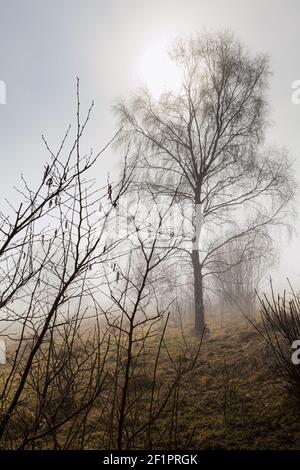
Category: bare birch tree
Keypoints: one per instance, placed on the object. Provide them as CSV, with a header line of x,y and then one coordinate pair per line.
x,y
206,142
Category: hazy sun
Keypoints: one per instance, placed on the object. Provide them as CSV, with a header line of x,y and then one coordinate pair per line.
x,y
156,70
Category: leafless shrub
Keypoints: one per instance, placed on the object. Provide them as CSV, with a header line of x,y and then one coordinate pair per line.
x,y
52,247
88,351
280,328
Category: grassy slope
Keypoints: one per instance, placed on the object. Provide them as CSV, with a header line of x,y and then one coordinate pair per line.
x,y
234,400
237,400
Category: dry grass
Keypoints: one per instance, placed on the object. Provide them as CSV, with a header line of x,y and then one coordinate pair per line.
x,y
234,399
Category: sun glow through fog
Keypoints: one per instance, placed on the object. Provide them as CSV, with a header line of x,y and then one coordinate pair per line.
x,y
157,71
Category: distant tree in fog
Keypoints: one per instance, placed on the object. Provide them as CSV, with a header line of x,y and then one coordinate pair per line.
x,y
242,271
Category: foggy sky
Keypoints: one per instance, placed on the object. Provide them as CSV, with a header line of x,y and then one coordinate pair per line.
x,y
46,44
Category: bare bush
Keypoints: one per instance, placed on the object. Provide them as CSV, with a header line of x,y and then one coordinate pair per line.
x,y
280,328
83,311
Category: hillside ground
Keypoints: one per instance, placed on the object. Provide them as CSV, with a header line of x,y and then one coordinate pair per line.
x,y
236,400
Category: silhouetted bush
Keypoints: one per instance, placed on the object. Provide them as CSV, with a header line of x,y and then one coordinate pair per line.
x,y
280,328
